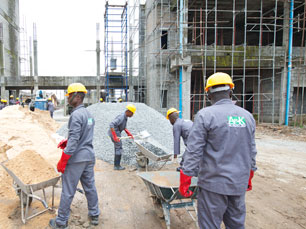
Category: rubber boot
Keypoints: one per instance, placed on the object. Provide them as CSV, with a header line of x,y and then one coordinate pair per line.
x,y
117,165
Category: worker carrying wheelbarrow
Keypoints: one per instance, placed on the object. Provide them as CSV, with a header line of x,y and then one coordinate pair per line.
x,y
181,128
222,143
115,129
78,159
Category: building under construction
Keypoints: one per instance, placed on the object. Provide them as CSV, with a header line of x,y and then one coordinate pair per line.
x,y
260,43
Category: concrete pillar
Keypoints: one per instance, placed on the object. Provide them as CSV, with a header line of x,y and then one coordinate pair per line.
x,y
186,92
2,83
283,89
35,59
98,51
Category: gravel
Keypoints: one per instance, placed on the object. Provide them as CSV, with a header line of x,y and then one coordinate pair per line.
x,y
154,149
145,118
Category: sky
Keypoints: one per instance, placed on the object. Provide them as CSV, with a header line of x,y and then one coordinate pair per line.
x,y
66,34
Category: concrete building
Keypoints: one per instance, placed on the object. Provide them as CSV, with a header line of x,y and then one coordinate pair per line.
x,y
9,37
247,39
9,41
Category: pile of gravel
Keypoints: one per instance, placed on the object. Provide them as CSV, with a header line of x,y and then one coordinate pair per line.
x,y
145,118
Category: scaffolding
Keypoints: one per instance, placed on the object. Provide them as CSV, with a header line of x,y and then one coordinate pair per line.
x,y
116,50
246,39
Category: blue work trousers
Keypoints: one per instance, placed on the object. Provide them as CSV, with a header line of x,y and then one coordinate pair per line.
x,y
213,208
75,172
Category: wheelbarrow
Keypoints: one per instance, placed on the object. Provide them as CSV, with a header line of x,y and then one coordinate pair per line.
x,y
164,189
26,194
151,149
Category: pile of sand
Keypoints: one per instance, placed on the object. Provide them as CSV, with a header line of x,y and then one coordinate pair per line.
x,y
31,168
22,130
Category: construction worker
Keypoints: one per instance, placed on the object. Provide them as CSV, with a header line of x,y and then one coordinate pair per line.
x,y
78,159
181,128
50,107
116,127
11,101
2,105
17,101
222,142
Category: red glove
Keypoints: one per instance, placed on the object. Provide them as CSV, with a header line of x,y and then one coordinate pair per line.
x,y
61,165
62,144
116,139
185,182
129,133
250,181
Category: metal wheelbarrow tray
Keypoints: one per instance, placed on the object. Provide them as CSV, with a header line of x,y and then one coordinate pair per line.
x,y
145,154
26,193
164,189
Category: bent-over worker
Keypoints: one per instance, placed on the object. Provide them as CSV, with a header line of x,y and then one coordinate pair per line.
x,y
181,128
222,143
78,159
116,127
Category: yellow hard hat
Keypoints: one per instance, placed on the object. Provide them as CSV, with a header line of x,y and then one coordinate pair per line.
x,y
101,99
131,107
170,111
76,87
4,101
17,98
219,78
11,96
119,100
49,99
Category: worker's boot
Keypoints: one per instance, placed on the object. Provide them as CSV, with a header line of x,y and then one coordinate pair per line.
x,y
54,225
117,165
94,220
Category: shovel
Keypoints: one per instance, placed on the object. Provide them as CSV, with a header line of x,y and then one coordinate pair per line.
x,y
142,135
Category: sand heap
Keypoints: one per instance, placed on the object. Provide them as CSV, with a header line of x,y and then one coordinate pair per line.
x,y
31,168
26,140
23,130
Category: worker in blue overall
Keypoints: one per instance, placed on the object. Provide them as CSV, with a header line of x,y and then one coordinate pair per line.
x,y
78,159
222,143
115,129
11,100
50,107
181,128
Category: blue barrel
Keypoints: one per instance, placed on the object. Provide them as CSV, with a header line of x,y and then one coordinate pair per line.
x,y
41,104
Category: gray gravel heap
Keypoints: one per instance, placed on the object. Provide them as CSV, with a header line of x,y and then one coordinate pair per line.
x,y
145,118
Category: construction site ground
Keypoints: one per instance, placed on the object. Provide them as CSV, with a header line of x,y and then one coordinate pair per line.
x,y
278,198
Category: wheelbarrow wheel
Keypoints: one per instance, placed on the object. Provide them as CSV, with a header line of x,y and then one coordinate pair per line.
x,y
142,162
158,207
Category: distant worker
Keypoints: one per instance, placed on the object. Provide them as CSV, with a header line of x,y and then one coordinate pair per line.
x,y
120,100
17,101
222,142
3,103
50,107
181,128
78,159
116,127
101,100
12,101
32,105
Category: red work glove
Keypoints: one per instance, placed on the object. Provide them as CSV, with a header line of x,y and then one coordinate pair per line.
x,y
61,165
129,133
250,181
62,144
185,182
116,139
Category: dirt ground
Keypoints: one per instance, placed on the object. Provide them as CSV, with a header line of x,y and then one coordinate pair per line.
x,y
278,198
